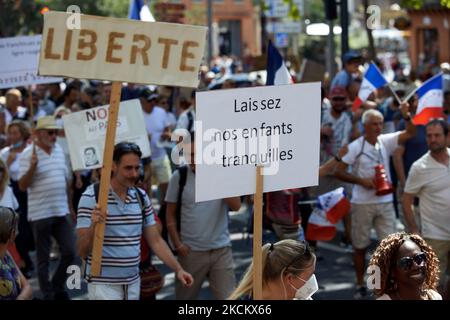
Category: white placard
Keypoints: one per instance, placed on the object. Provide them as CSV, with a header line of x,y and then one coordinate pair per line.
x,y
122,50
19,57
85,131
279,125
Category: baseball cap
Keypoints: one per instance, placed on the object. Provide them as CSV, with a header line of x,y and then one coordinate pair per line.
x,y
148,95
351,55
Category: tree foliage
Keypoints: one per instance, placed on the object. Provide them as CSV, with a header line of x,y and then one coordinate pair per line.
x,y
24,17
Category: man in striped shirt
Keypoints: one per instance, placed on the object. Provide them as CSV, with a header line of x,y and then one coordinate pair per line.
x,y
125,222
43,173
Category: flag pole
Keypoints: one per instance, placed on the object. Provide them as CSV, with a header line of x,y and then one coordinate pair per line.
x,y
389,85
415,90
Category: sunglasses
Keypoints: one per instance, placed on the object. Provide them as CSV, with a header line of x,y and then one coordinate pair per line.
x,y
51,132
305,251
405,263
338,98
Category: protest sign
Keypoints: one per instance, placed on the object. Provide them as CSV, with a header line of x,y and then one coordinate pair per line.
x,y
19,57
122,50
119,50
237,129
85,131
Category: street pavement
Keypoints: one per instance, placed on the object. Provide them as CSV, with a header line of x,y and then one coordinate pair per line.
x,y
334,271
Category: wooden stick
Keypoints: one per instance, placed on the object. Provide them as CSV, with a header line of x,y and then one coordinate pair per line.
x,y
30,101
395,95
97,248
257,236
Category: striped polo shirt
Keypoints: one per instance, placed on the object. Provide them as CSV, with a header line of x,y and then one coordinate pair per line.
x,y
47,193
121,244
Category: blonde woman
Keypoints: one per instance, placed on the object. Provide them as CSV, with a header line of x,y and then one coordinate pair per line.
x,y
288,273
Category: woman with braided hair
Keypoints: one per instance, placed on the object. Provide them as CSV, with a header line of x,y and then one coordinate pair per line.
x,y
408,268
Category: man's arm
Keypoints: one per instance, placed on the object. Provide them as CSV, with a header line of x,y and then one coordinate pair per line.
x,y
26,180
342,174
180,247
397,158
234,203
408,202
85,236
410,127
161,249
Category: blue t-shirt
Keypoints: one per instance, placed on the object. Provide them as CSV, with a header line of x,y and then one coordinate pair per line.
x,y
415,147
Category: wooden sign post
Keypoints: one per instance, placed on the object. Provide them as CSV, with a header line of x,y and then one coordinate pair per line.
x,y
97,248
257,235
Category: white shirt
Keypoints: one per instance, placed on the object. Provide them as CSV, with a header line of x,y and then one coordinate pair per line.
x,y
364,161
155,122
14,166
183,119
9,199
430,181
47,193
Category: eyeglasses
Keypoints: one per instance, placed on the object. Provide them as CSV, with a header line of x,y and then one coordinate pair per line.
x,y
51,132
406,262
338,99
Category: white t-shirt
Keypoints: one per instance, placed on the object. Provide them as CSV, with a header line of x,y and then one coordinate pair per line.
x,y
364,161
430,181
9,199
14,166
47,193
155,122
183,119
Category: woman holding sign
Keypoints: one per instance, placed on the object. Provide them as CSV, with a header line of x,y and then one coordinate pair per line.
x,y
288,273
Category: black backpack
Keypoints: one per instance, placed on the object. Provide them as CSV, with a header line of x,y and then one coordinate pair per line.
x,y
162,211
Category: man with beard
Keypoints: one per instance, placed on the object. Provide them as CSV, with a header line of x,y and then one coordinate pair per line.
x,y
43,173
429,179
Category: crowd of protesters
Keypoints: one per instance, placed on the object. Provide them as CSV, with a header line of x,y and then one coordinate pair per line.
x,y
51,199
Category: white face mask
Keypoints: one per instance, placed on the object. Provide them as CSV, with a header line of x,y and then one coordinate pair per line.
x,y
307,290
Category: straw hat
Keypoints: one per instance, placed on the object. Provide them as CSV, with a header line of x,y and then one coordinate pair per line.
x,y
47,123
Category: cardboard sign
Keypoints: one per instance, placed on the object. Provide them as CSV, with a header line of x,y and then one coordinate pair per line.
x,y
86,130
238,129
122,50
19,57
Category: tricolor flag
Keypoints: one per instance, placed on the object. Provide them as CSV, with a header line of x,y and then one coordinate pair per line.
x,y
430,100
140,11
277,72
335,204
319,228
373,79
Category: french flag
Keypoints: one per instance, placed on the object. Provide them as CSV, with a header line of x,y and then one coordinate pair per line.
x,y
335,204
430,100
277,72
373,79
140,11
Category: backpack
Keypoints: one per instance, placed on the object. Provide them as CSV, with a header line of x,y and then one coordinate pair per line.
x,y
162,212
